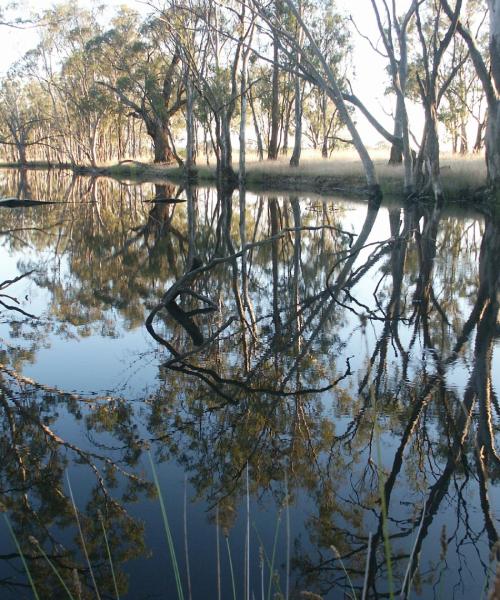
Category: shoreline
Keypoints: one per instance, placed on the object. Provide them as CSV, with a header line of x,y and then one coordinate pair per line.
x,y
266,177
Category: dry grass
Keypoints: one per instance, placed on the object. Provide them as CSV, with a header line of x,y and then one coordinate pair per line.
x,y
458,172
346,164
461,174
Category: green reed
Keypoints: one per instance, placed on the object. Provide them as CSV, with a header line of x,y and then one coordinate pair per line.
x,y
170,542
23,559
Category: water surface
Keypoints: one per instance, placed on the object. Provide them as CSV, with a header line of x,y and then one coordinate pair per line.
x,y
326,354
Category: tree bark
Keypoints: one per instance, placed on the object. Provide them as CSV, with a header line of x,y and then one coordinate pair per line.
x,y
190,141
272,151
396,155
258,135
297,146
161,146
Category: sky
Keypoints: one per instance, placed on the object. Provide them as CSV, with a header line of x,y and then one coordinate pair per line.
x,y
369,81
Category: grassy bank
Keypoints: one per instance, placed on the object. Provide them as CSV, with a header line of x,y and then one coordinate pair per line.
x,y
463,177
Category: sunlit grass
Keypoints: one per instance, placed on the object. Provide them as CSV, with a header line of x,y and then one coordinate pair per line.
x,y
460,174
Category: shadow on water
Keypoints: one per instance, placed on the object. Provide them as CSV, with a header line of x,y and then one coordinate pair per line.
x,y
340,354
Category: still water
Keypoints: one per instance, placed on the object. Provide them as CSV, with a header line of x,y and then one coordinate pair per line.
x,y
317,389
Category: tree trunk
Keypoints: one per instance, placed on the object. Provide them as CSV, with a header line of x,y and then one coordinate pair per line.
x,y
272,151
492,137
396,156
190,141
325,130
478,144
285,128
21,149
432,151
297,146
258,135
225,170
162,150
243,122
464,146
492,140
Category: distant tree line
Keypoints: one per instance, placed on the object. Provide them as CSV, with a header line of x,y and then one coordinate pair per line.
x,y
189,78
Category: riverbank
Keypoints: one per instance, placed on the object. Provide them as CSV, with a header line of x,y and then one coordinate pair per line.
x,y
464,178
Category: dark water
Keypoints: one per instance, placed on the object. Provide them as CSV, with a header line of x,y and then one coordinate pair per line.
x,y
349,353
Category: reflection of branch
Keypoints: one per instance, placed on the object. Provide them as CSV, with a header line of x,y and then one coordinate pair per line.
x,y
5,284
17,309
9,282
51,390
183,284
84,455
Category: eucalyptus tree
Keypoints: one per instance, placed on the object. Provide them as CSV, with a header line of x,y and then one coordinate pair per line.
x,y
273,147
21,117
243,95
297,146
322,122
460,96
67,72
393,30
144,76
433,37
487,65
332,36
314,66
214,64
463,96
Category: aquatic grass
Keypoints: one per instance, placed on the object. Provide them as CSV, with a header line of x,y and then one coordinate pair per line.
x,y
408,579
261,565
264,558
217,538
364,593
231,570
173,558
491,585
115,583
339,558
273,556
273,580
287,515
186,544
21,555
247,537
36,543
385,520
84,547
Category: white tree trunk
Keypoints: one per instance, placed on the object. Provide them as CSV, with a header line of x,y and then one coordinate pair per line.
x,y
493,126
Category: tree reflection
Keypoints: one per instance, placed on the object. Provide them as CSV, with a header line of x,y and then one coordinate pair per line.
x,y
315,341
34,460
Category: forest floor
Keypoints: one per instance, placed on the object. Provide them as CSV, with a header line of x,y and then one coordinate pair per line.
x,y
463,177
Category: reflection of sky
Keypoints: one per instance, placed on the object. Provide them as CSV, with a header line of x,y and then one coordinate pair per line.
x,y
118,365
123,362
126,365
